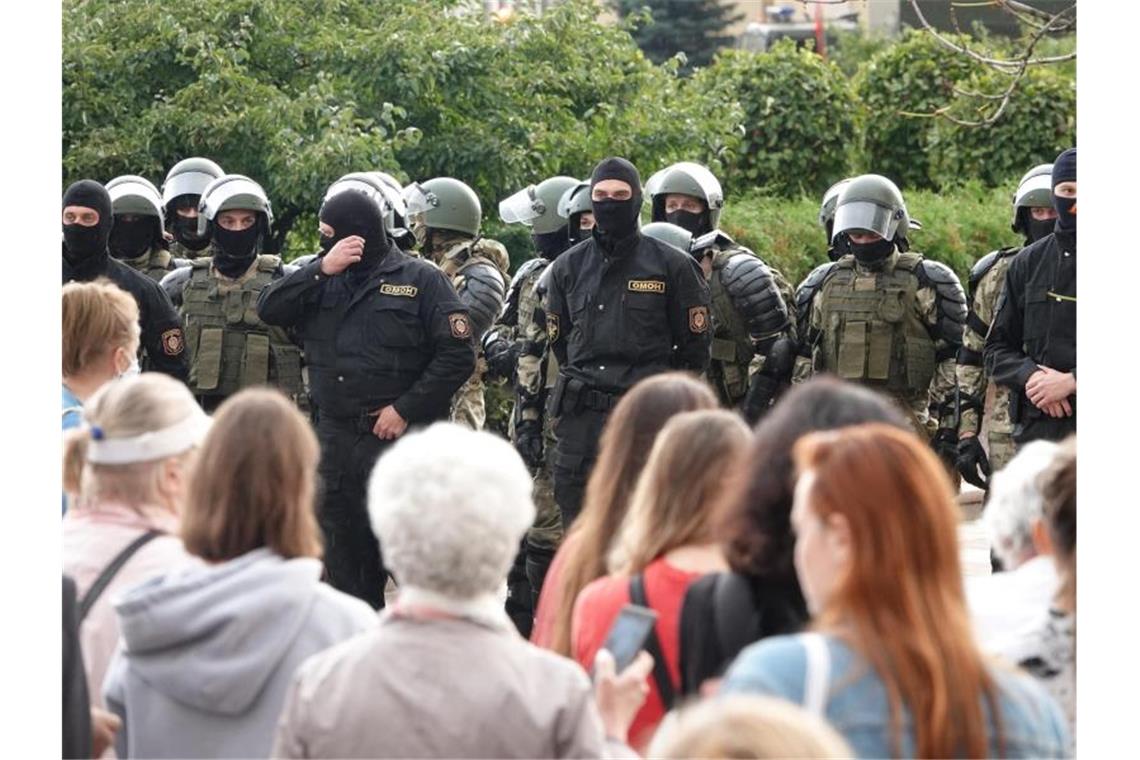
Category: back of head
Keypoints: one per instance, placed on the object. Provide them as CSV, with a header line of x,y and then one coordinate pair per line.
x,y
449,506
254,484
678,487
1059,487
900,601
624,447
747,727
98,317
121,411
1015,502
755,520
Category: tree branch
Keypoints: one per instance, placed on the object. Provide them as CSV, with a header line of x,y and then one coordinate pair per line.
x,y
1051,26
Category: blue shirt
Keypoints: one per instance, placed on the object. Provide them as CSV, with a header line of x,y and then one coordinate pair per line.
x,y
1033,725
72,416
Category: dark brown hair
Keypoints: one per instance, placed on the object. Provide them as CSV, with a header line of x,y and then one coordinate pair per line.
x,y
254,483
622,452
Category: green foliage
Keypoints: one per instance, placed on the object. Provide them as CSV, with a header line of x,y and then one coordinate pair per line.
x,y
694,28
797,118
851,50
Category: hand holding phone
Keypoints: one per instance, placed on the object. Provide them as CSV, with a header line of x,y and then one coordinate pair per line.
x,y
629,634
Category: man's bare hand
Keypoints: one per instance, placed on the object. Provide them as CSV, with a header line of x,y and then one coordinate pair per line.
x,y
341,256
1047,387
389,424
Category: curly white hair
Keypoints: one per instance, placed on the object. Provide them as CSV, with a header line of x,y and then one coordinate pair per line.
x,y
450,506
1015,502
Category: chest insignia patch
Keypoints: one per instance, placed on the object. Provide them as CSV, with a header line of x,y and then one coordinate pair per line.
x,y
646,286
552,327
698,319
407,291
172,343
460,326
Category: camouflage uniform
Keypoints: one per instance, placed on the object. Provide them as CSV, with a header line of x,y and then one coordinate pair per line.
x,y
180,251
155,263
986,282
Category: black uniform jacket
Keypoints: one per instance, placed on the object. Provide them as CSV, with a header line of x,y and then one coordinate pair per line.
x,y
613,319
160,324
399,335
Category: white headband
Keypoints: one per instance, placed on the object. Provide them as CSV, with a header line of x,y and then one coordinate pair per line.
x,y
151,446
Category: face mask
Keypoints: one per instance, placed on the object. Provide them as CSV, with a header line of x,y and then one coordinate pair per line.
x,y
550,244
694,223
1066,213
616,219
130,240
1038,228
871,253
186,232
131,370
236,249
83,243
327,242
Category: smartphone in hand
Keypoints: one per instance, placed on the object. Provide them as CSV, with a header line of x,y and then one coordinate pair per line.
x,y
629,634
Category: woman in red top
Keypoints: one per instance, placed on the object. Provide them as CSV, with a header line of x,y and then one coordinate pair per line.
x,y
667,541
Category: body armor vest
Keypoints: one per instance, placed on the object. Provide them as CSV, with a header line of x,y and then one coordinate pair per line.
x,y
872,331
155,263
731,342
531,315
230,347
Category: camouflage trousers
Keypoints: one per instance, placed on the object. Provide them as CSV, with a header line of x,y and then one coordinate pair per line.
x,y
999,435
547,529
468,406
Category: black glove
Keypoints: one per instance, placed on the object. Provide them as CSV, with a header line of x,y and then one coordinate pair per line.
x,y
973,463
501,356
945,444
528,442
760,394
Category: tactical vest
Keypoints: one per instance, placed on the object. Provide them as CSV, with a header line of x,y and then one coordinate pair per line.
x,y
155,263
872,332
230,347
529,304
731,343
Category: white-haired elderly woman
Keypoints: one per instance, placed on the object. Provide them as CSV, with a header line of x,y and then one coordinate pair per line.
x,y
445,674
1003,604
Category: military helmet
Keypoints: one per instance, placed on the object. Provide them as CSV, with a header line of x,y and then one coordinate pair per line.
x,y
670,234
131,194
190,176
687,178
369,184
446,203
575,200
871,202
232,191
827,205
537,205
1035,190
394,194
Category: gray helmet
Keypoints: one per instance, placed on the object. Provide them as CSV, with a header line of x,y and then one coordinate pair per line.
x,y
687,178
537,205
1035,190
670,234
369,184
190,176
575,200
232,191
446,203
871,202
394,194
131,194
827,205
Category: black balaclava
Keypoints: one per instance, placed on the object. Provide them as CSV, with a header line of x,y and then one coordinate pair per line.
x,y
235,250
1065,170
698,224
82,244
1034,229
550,244
185,228
132,239
870,255
351,212
616,220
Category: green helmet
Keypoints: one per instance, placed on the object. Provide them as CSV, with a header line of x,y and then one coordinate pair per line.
x,y
537,205
871,202
446,203
827,205
687,178
190,176
131,194
1035,190
232,191
670,234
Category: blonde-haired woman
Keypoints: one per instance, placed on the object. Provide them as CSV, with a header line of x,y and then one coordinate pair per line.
x,y
129,465
209,651
665,543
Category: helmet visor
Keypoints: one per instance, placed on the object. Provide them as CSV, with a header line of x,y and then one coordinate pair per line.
x,y
864,215
522,208
419,201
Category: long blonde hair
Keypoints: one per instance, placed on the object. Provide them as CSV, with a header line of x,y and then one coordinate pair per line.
x,y
679,487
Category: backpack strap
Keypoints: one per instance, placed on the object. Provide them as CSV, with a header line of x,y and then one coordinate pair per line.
x,y
736,620
818,673
111,570
661,677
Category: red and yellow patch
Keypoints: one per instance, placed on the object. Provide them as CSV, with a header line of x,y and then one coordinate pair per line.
x,y
698,319
172,343
551,327
460,326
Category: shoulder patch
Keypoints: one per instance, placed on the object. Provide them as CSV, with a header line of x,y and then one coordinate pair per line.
x,y
407,291
460,325
172,342
647,286
698,319
551,327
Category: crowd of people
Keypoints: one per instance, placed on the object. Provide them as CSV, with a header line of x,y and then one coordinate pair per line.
x,y
724,524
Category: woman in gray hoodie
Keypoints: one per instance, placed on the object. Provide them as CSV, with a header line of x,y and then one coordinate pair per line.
x,y
208,652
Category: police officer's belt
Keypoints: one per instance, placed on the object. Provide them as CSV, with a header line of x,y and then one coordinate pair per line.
x,y
599,401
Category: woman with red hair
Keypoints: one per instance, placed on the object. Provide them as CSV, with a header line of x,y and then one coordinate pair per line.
x,y
891,661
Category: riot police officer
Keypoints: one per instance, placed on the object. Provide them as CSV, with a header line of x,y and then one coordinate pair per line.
x,y
137,237
445,216
230,347
753,346
1033,217
620,307
1032,345
181,193
885,316
87,226
387,343
576,208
